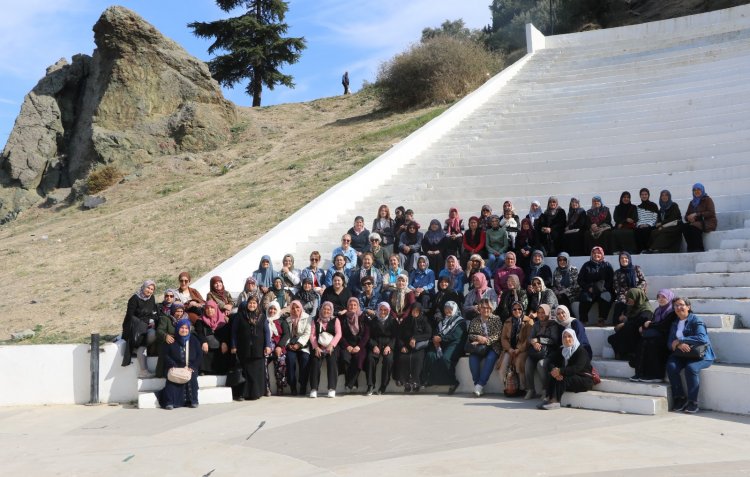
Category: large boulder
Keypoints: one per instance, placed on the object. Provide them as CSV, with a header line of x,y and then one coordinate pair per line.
x,y
138,96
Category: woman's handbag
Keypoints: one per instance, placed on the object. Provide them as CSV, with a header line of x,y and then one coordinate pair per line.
x,y
696,352
420,345
181,375
511,382
234,375
543,351
477,349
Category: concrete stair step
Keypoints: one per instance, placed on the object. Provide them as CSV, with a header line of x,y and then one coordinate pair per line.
x,y
722,267
221,395
616,402
735,243
731,346
625,386
709,292
204,382
740,308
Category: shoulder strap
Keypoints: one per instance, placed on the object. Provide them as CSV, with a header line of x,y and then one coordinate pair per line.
x,y
187,352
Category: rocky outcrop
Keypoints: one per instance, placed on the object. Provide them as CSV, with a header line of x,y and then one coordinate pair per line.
x,y
138,96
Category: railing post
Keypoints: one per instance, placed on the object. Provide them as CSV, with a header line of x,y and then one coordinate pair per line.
x,y
94,359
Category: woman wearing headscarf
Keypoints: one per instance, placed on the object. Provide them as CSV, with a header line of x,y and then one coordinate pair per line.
x,y
650,360
483,345
687,331
399,223
666,237
510,222
526,243
220,296
484,217
596,280
539,295
550,227
626,277
454,231
473,242
413,335
251,289
514,294
474,296
307,296
537,268
510,267
190,297
700,218
380,348
184,350
435,246
422,281
446,348
139,326
298,349
289,274
455,274
165,332
497,244
565,281
325,337
544,341
251,343
264,275
599,222
410,246
565,322
280,336
571,371
648,213
165,307
402,297
385,227
443,294
279,294
625,339
355,336
211,329
535,211
514,340
575,229
626,218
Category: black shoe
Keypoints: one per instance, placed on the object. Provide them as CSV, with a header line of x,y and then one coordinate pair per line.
x,y
293,390
381,391
407,387
193,405
635,378
415,387
369,391
239,398
679,404
452,389
691,407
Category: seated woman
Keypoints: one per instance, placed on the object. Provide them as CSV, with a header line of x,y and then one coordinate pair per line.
x,y
626,277
165,307
575,229
567,322
565,281
454,231
666,237
264,275
473,242
385,227
539,295
550,227
626,218
443,295
251,289
308,297
484,217
687,332
454,273
413,335
219,295
368,299
447,347
474,296
543,343
337,294
280,336
571,371
183,351
360,238
410,246
497,243
165,333
648,213
514,294
596,280
599,222
627,332
483,345
350,255
289,274
510,222
537,268
379,253
139,326
434,246
367,269
526,242
399,223
324,338
422,281
279,294
380,348
476,265
212,329
314,273
402,297
514,340
650,360
298,348
700,218
391,275
251,343
355,335
338,266
508,269
190,297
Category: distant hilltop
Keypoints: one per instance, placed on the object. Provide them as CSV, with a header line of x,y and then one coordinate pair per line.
x,y
138,96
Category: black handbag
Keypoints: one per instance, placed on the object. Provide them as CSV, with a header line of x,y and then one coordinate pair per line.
x,y
480,350
235,376
543,351
696,352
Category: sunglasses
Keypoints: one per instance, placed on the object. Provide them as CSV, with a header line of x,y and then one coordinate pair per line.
x,y
184,280
346,241
314,259
517,309
169,296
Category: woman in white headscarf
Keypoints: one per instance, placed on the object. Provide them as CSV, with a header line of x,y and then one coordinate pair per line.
x,y
570,372
448,341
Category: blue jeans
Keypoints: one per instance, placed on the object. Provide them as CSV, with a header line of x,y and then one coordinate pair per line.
x,y
493,263
480,373
297,368
692,376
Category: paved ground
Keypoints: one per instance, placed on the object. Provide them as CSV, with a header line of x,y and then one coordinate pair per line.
x,y
434,435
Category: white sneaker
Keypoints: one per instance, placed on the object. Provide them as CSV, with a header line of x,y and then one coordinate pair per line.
x,y
529,394
314,393
478,390
331,393
146,374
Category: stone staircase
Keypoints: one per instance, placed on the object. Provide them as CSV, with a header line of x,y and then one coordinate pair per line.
x,y
211,389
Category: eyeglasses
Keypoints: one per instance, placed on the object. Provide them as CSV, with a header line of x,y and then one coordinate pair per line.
x,y
368,284
517,309
314,259
679,305
169,296
374,240
346,241
184,280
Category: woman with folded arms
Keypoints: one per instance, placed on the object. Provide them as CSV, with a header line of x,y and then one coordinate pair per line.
x,y
434,246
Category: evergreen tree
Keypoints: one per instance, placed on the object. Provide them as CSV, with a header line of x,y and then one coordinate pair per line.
x,y
254,45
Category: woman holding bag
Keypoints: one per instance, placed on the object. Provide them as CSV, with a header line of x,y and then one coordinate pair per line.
x,y
483,344
543,341
183,352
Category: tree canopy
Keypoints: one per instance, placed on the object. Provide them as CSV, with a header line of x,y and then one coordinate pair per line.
x,y
252,46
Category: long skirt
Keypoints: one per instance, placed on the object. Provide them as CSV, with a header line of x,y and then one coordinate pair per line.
x,y
179,395
255,379
668,239
650,360
440,369
575,384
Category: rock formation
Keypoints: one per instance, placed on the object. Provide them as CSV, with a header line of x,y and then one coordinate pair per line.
x,y
139,95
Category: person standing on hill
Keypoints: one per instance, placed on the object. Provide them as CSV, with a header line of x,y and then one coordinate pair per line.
x,y
345,82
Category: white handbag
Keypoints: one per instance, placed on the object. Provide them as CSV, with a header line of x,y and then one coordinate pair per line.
x,y
181,375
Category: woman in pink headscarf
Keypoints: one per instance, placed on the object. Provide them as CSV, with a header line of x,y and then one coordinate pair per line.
x,y
454,230
473,297
213,333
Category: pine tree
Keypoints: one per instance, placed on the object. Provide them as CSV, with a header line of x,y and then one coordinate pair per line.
x,y
254,45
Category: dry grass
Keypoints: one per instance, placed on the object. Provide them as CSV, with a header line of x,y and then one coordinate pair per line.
x,y
184,212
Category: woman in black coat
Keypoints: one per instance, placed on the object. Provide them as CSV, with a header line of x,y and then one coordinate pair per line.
x,y
570,371
627,333
413,335
382,346
139,326
596,280
550,227
251,343
179,395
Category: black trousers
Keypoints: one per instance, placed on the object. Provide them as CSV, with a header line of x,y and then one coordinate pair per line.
x,y
410,366
693,238
576,384
385,370
332,370
584,306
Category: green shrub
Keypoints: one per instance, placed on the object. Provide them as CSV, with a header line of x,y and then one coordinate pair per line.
x,y
439,70
103,178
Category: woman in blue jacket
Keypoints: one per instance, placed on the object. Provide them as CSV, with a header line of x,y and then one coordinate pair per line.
x,y
687,331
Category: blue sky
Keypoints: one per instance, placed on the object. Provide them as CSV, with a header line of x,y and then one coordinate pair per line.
x,y
353,35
